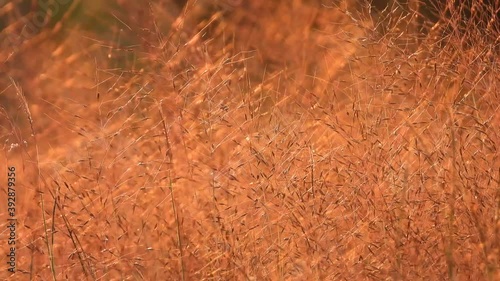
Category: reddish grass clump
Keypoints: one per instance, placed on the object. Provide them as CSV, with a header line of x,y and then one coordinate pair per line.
x,y
251,140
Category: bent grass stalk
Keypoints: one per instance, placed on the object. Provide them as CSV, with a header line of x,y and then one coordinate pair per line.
x,y
48,241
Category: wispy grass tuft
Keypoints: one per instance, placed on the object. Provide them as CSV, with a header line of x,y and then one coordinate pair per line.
x,y
254,140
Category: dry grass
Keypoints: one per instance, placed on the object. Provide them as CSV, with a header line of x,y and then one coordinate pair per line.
x,y
271,140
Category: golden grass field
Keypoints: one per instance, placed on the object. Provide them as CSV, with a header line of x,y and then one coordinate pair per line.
x,y
250,140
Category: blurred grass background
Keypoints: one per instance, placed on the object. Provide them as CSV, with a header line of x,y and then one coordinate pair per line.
x,y
273,140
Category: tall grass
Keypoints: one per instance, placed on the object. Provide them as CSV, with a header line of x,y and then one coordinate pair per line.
x,y
269,140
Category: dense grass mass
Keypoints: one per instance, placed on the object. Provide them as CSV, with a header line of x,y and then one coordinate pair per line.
x,y
251,140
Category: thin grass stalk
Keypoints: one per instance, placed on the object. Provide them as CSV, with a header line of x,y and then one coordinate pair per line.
x,y
169,157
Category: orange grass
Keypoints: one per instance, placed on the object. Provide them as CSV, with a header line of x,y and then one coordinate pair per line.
x,y
267,140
